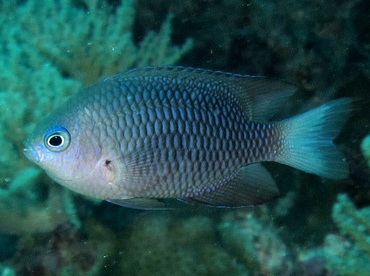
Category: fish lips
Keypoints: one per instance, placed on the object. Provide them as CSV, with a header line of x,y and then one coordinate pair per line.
x,y
31,153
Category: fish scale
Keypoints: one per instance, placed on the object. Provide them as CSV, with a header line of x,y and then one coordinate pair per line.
x,y
202,138
181,133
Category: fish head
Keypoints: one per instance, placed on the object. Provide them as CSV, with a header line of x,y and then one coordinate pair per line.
x,y
66,147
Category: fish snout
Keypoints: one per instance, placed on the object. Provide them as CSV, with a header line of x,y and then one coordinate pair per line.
x,y
31,153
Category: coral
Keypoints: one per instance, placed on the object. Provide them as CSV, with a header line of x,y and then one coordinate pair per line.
x,y
311,262
293,40
29,210
6,271
256,244
68,251
365,147
348,253
50,49
160,244
102,45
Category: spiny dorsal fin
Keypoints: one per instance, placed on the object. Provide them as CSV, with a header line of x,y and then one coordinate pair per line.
x,y
260,97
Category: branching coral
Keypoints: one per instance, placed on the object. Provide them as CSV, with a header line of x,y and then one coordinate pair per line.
x,y
349,253
68,251
365,147
158,244
94,40
6,271
257,244
49,49
27,210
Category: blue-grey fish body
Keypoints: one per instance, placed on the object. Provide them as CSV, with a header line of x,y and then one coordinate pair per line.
x,y
190,134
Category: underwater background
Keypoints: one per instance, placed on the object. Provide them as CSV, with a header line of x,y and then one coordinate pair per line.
x,y
50,49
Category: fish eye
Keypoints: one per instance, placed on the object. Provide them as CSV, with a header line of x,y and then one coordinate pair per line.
x,y
57,139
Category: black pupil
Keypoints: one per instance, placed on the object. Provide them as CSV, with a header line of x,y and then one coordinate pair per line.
x,y
55,140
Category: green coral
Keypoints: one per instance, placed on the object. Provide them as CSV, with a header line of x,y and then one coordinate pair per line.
x,y
160,244
94,40
50,49
349,252
365,147
242,243
6,271
68,251
30,210
256,243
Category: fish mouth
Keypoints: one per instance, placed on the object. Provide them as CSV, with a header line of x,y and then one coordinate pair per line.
x,y
30,152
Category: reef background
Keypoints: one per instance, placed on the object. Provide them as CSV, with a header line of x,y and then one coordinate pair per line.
x,y
50,49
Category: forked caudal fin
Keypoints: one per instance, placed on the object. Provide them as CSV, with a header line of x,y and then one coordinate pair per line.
x,y
307,140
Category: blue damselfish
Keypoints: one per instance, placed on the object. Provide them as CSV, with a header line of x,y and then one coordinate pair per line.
x,y
182,133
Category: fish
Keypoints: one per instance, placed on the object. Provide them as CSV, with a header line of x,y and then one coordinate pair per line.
x,y
198,136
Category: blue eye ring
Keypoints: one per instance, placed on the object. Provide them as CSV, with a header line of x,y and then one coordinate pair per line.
x,y
57,139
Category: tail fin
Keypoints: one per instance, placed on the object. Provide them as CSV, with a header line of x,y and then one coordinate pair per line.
x,y
308,140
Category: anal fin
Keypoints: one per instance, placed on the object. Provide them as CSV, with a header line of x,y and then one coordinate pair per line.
x,y
251,185
148,203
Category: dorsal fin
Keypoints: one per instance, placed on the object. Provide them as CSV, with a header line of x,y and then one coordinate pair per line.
x,y
260,97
